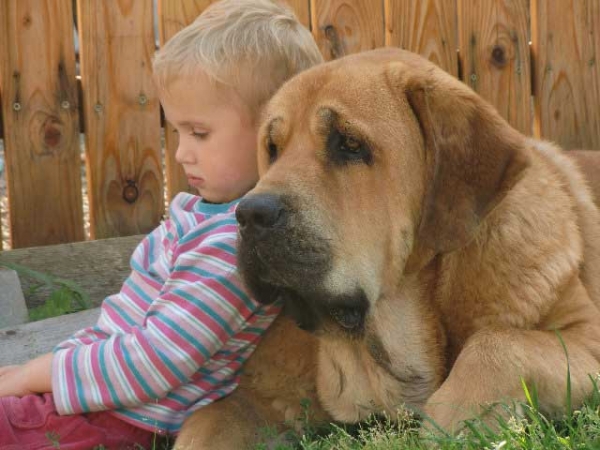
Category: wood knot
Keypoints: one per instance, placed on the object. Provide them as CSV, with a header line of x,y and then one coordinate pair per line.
x,y
52,132
335,47
499,56
27,21
330,32
130,192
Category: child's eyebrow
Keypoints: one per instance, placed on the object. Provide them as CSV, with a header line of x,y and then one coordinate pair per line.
x,y
188,123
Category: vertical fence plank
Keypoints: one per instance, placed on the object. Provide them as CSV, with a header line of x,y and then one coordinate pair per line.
x,y
566,46
121,117
341,27
172,17
427,27
302,10
40,112
494,49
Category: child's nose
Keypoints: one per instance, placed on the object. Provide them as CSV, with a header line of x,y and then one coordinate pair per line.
x,y
184,155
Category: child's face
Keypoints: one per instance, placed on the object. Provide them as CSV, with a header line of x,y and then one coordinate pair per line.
x,y
217,138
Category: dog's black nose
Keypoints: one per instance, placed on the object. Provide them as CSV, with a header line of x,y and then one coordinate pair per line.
x,y
260,212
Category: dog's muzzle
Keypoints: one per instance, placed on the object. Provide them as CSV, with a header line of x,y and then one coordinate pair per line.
x,y
282,257
277,250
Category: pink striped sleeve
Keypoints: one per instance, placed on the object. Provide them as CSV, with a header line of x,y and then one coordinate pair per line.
x,y
201,306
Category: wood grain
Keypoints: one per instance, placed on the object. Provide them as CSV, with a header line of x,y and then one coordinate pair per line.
x,y
41,130
342,27
427,27
566,45
122,121
494,48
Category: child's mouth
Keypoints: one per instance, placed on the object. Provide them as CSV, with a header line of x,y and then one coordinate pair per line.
x,y
195,181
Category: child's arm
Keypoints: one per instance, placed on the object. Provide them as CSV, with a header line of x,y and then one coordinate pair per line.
x,y
201,305
32,377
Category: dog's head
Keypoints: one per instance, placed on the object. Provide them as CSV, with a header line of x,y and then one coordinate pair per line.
x,y
370,166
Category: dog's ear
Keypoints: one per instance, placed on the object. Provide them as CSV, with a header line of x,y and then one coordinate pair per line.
x,y
473,157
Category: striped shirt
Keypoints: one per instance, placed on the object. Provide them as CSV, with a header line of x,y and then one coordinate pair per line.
x,y
176,335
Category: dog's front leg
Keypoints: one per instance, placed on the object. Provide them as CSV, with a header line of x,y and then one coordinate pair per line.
x,y
493,364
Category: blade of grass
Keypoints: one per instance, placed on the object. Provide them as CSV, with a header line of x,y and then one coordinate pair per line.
x,y
569,397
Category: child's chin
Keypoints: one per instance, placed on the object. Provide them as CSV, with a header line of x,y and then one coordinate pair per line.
x,y
208,197
219,197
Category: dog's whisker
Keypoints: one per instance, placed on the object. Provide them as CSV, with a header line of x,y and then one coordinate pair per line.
x,y
271,268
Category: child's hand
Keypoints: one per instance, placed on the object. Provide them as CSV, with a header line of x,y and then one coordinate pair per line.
x,y
32,377
12,381
6,369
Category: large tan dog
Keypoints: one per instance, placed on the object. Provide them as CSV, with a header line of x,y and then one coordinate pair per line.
x,y
436,254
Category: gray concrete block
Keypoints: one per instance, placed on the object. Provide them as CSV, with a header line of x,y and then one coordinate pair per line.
x,y
13,309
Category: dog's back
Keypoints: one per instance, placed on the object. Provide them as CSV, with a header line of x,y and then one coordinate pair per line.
x,y
581,169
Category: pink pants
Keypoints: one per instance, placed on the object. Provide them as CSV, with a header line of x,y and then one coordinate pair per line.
x,y
32,423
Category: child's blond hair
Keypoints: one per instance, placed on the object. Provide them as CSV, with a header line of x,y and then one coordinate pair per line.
x,y
252,46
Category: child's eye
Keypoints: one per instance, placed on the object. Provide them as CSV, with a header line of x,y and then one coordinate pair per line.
x,y
199,134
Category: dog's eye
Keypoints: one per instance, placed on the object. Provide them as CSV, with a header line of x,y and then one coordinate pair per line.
x,y
344,149
351,145
272,150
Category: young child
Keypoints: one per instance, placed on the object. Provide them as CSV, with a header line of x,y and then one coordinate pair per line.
x,y
177,334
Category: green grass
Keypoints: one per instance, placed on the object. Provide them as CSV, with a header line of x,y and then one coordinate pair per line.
x,y
582,431
65,296
531,431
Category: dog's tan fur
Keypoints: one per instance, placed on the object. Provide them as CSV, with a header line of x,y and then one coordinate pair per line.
x,y
588,162
276,381
475,246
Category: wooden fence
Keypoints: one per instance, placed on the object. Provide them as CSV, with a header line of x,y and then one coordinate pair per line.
x,y
535,60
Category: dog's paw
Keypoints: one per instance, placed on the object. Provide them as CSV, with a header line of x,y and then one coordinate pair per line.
x,y
290,412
